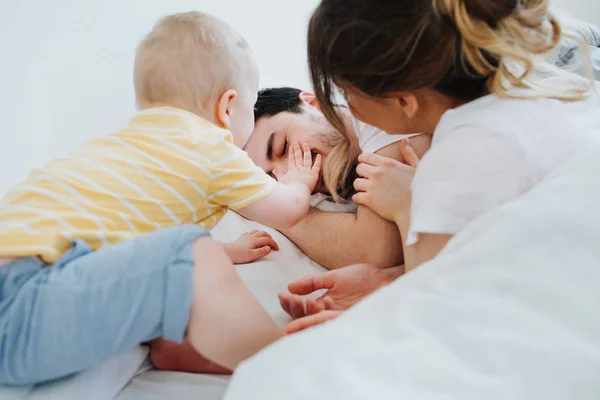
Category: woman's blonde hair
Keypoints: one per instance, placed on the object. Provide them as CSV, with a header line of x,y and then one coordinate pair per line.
x,y
464,49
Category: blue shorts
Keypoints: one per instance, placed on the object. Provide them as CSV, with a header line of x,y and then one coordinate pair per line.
x,y
90,305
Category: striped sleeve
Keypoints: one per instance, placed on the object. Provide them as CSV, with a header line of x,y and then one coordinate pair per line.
x,y
236,182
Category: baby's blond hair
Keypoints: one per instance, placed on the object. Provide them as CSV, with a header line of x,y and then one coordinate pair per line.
x,y
189,60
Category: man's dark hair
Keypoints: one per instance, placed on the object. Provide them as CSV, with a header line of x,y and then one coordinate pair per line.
x,y
272,101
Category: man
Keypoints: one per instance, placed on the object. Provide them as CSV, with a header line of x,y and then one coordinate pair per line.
x,y
333,239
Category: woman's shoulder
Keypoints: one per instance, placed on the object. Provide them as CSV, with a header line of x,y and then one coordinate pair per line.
x,y
491,115
508,111
491,107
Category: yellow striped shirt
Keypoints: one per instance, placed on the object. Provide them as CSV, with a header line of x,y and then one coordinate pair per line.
x,y
167,167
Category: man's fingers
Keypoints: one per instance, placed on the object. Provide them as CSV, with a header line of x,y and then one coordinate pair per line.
x,y
297,307
314,306
408,154
284,302
310,321
312,283
329,304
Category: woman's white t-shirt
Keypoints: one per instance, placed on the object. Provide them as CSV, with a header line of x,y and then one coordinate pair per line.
x,y
492,150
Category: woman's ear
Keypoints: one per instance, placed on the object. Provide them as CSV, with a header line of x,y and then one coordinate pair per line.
x,y
409,104
309,99
225,108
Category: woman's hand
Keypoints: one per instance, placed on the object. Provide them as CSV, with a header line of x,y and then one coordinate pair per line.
x,y
384,185
250,247
344,288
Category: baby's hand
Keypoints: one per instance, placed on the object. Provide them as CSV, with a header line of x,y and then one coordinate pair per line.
x,y
250,247
301,167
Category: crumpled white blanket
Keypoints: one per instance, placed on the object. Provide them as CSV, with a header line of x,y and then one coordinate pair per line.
x,y
509,310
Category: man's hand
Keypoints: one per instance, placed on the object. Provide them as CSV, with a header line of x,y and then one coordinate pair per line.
x,y
301,167
345,287
311,320
250,247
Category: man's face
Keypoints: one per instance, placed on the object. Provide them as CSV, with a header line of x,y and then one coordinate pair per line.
x,y
268,144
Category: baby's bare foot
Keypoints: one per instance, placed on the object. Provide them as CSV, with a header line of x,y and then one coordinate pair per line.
x,y
182,357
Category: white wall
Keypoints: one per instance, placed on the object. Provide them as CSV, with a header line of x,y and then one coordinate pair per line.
x,y
65,65
587,10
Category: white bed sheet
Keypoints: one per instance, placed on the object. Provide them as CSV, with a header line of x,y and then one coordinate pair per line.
x,y
103,382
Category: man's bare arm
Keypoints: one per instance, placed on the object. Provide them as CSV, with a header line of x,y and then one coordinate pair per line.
x,y
336,240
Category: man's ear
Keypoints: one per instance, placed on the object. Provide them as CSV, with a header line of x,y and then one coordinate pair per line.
x,y
309,99
225,108
409,104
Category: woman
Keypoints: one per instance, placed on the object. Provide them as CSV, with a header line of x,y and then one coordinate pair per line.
x,y
460,71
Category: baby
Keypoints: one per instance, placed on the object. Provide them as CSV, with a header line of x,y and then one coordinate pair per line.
x,y
108,247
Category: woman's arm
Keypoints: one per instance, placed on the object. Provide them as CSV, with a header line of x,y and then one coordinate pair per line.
x,y
385,188
427,247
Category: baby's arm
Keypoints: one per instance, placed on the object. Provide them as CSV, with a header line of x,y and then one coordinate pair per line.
x,y
289,201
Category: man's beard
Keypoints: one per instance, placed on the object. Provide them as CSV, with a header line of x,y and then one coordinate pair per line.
x,y
329,140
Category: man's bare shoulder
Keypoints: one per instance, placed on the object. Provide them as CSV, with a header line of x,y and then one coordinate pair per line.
x,y
420,145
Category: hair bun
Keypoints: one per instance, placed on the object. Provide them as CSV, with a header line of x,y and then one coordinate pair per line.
x,y
491,11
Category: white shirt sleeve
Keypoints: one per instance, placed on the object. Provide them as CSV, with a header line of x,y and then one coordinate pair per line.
x,y
371,139
462,176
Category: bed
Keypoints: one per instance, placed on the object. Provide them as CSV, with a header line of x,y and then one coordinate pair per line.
x,y
265,278
129,376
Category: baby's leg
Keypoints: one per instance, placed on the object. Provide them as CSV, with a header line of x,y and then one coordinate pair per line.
x,y
90,306
227,323
182,357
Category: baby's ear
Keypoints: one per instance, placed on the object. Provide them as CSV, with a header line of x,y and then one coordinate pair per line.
x,y
225,108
